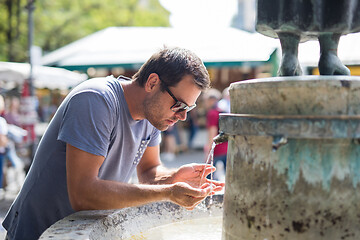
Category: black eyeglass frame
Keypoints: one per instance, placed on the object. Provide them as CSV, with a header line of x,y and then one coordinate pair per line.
x,y
178,106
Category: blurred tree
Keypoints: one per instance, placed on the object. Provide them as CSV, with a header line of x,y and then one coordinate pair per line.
x,y
13,33
60,22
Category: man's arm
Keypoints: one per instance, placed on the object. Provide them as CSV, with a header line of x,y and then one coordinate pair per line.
x,y
87,191
151,171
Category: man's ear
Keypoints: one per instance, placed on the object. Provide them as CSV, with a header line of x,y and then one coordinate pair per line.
x,y
152,81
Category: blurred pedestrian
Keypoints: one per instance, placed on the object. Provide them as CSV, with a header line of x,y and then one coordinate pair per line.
x,y
169,144
3,142
14,174
212,97
224,103
16,134
193,127
12,111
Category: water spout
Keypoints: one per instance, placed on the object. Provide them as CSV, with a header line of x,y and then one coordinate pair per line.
x,y
220,138
278,141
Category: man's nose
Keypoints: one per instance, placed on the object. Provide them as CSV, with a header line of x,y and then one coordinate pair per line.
x,y
181,115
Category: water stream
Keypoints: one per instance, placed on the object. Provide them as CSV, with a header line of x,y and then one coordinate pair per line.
x,y
210,160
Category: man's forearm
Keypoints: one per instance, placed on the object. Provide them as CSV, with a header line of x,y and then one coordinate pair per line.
x,y
103,194
157,175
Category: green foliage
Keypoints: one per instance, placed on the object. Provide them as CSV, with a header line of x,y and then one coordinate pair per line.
x,y
13,34
60,22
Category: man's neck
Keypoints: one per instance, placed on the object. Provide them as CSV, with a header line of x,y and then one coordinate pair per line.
x,y
134,97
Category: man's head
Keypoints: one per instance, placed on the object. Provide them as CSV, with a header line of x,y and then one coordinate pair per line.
x,y
173,79
172,64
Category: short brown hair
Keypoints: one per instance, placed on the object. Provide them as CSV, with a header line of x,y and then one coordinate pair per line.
x,y
172,64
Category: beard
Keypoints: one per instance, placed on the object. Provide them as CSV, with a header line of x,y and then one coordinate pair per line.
x,y
154,112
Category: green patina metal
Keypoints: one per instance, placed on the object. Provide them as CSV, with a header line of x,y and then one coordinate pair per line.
x,y
319,161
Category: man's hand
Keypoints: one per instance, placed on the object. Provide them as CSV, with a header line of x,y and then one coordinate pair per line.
x,y
195,176
185,195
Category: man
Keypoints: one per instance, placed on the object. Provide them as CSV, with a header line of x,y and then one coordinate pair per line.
x,y
103,130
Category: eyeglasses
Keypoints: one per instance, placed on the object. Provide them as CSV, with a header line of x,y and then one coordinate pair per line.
x,y
178,106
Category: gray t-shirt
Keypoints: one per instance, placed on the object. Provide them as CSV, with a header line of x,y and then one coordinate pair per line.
x,y
95,118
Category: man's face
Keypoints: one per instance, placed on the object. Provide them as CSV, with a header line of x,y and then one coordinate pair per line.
x,y
157,107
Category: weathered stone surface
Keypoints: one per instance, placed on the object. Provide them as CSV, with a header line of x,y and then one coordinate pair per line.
x,y
276,195
307,187
291,126
300,95
123,223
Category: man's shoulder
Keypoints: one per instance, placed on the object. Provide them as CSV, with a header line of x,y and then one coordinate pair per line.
x,y
98,81
100,85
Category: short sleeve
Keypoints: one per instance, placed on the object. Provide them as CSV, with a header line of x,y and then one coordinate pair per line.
x,y
87,123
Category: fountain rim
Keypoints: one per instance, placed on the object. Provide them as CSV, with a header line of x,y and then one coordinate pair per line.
x,y
291,126
301,79
123,223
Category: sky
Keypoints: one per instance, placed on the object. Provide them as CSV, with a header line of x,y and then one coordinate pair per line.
x,y
200,13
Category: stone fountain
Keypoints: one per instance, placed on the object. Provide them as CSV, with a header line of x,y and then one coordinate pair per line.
x,y
293,169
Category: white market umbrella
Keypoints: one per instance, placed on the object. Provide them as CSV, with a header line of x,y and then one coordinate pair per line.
x,y
43,77
114,46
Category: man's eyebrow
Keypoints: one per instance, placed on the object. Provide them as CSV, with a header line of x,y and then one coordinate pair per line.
x,y
185,102
182,100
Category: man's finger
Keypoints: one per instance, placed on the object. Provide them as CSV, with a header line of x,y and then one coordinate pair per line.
x,y
205,185
201,167
217,189
217,183
199,193
209,170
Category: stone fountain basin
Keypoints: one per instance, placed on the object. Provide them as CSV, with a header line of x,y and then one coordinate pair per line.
x,y
124,223
293,161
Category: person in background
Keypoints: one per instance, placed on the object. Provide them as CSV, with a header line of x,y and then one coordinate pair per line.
x,y
212,97
12,112
103,131
3,142
224,103
193,128
16,172
169,144
16,133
